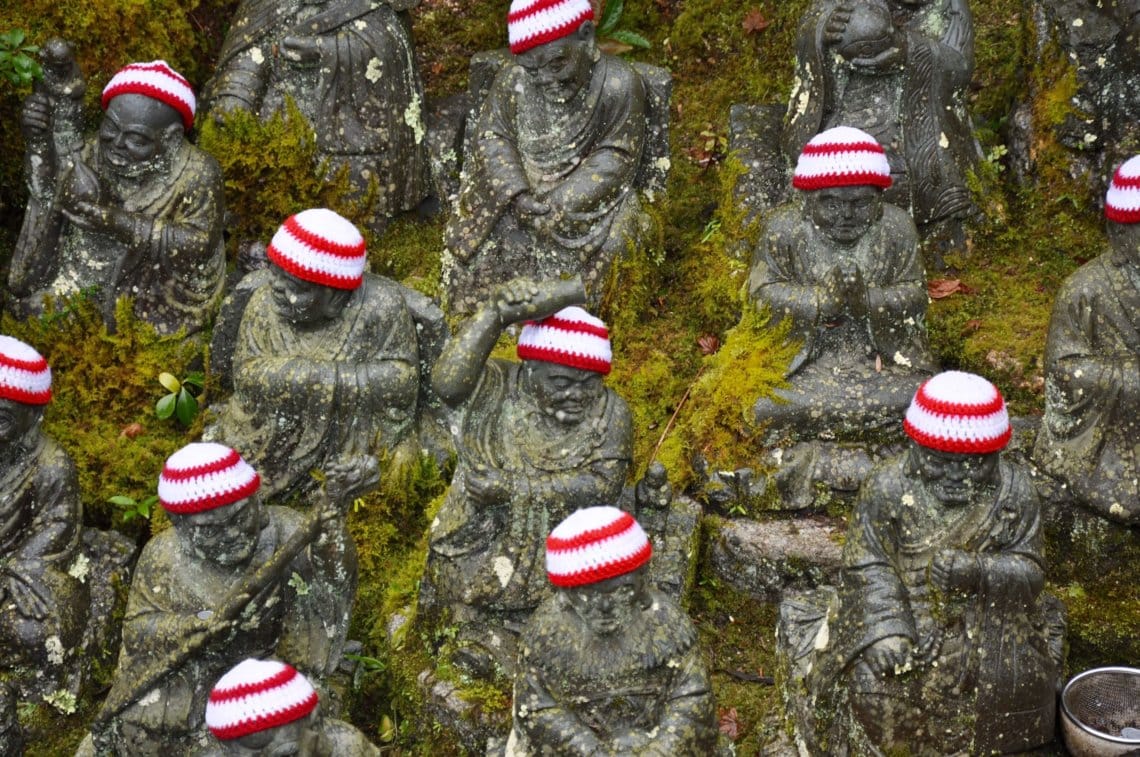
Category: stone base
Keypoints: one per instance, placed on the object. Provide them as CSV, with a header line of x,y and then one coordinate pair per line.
x,y
471,725
764,560
754,138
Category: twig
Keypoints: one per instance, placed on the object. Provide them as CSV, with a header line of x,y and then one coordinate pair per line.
x,y
669,425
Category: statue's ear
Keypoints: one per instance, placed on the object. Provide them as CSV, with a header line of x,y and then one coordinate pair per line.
x,y
586,32
173,135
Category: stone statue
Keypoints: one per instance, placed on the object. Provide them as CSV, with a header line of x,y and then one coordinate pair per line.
x,y
350,68
844,266
44,605
265,707
326,361
136,211
560,148
608,664
942,640
536,440
11,735
899,70
231,579
1092,367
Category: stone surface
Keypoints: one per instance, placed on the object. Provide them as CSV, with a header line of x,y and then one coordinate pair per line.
x,y
763,559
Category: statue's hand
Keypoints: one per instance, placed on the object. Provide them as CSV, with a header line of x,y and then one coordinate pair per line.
x,y
888,656
487,486
35,118
887,59
301,51
836,25
653,490
955,570
515,300
526,204
348,478
834,295
25,597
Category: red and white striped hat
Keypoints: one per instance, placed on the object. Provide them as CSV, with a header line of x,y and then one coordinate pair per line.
x,y
842,157
595,544
958,412
203,476
1122,203
531,23
256,695
320,246
157,80
570,337
24,374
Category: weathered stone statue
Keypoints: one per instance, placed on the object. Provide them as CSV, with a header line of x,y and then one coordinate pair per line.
x,y
326,361
44,605
609,665
1092,367
350,68
942,640
231,579
136,211
265,707
11,735
555,161
536,440
844,266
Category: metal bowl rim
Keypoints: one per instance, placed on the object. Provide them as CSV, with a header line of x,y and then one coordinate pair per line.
x,y
1080,724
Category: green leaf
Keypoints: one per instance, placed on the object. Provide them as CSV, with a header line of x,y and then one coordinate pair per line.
x,y
632,38
164,408
196,379
169,382
186,407
121,500
610,16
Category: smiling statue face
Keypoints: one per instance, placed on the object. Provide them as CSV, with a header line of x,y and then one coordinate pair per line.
x,y
226,536
305,303
845,214
954,478
137,132
610,605
563,393
560,69
16,420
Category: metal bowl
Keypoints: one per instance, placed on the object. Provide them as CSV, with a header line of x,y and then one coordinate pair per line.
x,y
1096,706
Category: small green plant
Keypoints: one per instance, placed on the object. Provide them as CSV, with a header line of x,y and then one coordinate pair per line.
x,y
16,62
182,401
134,508
613,40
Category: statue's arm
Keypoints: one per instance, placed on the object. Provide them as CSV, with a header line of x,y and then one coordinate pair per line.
x,y
193,233
54,531
151,625
547,723
1014,574
686,724
496,141
774,282
902,291
599,482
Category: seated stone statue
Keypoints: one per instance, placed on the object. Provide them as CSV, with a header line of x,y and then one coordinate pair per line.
x,y
350,68
1092,367
536,440
844,266
325,363
552,169
43,607
942,640
608,664
265,707
135,212
231,579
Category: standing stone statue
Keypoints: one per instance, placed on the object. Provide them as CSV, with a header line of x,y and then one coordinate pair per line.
x,y
136,211
536,440
326,362
554,163
844,266
350,68
1092,367
608,664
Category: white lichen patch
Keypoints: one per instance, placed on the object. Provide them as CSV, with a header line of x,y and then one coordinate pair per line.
x,y
908,500
1078,22
1089,138
298,584
151,698
361,24
504,569
1116,510
374,70
80,568
54,647
943,140
901,359
663,163
64,701
822,637
256,55
413,117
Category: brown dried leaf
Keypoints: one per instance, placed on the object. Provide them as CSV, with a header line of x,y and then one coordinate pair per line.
x,y
729,723
878,363
708,343
941,288
972,325
755,21
131,430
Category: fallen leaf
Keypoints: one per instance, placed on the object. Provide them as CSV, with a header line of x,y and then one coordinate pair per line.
x,y
729,723
755,21
972,325
941,288
708,343
131,430
878,363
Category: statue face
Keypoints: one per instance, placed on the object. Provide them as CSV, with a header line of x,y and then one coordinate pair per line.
x,y
281,741
564,393
844,214
225,536
1125,238
137,132
305,303
559,69
955,479
610,605
16,420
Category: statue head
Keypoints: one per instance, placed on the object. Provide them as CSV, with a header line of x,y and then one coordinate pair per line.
x,y
261,707
148,108
958,424
869,31
598,558
565,356
210,494
842,173
554,43
25,387
319,259
1122,209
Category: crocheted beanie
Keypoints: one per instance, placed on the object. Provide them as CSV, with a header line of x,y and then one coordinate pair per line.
x,y
842,157
257,695
1122,202
157,80
595,544
24,374
320,246
570,337
203,476
531,23
958,412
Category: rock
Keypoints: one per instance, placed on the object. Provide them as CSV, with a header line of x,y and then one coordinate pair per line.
x,y
764,559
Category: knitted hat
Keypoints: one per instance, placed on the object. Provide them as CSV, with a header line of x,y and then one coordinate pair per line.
x,y
570,337
320,246
1122,203
156,80
958,412
257,695
203,476
24,375
594,544
531,23
842,157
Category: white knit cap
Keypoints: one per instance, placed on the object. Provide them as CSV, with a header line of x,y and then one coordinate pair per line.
x,y
320,246
256,695
531,23
24,374
842,157
595,544
958,412
1122,203
203,476
570,337
156,80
